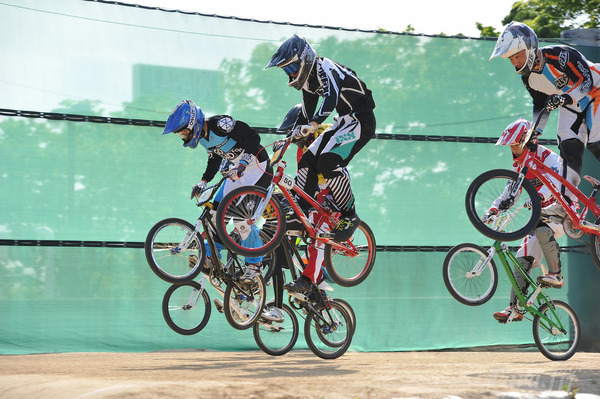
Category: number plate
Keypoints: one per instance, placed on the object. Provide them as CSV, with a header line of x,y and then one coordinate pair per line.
x,y
287,182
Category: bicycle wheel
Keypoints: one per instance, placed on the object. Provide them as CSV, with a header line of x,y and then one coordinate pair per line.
x,y
165,256
595,248
514,221
353,264
329,333
349,309
277,339
243,302
464,281
557,343
186,308
235,213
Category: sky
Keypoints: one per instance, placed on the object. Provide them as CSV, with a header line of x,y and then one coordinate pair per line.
x,y
425,16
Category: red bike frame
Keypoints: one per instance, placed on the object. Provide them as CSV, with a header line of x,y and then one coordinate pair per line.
x,y
541,171
287,184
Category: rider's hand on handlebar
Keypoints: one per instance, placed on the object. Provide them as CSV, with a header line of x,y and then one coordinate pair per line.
x,y
198,188
238,172
488,215
303,131
555,101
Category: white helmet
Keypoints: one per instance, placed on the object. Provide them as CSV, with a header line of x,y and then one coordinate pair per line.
x,y
517,37
513,134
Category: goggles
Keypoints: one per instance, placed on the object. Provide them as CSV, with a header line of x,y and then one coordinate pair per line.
x,y
183,133
291,69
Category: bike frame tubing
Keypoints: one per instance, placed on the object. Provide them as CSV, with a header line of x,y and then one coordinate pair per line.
x,y
541,171
537,295
285,184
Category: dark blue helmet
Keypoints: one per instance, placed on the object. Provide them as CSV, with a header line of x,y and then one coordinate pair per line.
x,y
186,115
296,57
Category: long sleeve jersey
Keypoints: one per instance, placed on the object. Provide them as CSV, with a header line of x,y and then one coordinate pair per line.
x,y
564,70
340,88
229,139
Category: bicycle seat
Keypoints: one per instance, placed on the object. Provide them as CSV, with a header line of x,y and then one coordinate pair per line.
x,y
595,182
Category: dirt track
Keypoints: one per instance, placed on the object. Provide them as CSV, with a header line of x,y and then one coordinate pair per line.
x,y
298,374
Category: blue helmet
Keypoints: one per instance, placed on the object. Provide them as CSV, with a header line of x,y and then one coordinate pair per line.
x,y
186,115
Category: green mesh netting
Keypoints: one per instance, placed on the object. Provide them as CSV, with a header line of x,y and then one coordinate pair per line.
x,y
64,180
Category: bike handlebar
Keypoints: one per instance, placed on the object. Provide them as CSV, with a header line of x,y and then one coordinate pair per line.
x,y
533,132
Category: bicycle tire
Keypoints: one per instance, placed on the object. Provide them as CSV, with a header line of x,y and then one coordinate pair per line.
x,y
468,289
321,340
165,258
554,344
347,270
349,309
595,248
236,208
486,188
243,302
182,309
274,338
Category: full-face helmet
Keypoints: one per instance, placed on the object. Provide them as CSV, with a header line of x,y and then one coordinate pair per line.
x,y
514,132
186,115
296,57
517,37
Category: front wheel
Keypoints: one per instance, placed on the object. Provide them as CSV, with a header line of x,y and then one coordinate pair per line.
x,y
468,278
328,332
352,264
237,216
243,302
514,220
274,338
174,252
186,308
558,336
595,248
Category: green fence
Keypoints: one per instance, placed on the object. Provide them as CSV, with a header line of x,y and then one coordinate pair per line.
x,y
85,172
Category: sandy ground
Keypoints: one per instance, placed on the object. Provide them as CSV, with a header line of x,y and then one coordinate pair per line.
x,y
299,374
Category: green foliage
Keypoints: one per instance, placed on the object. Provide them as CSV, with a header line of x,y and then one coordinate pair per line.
x,y
486,31
549,17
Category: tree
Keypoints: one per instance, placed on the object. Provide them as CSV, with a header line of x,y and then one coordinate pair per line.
x,y
548,18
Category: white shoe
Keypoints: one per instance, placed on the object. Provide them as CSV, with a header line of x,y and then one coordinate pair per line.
x,y
553,280
273,314
252,270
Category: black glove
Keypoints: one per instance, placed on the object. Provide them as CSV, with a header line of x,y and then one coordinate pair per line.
x,y
555,101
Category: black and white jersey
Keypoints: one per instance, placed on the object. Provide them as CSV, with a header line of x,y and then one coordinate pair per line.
x,y
340,88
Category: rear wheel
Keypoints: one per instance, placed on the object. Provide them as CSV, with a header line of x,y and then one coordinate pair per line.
x,y
277,338
557,338
595,248
329,333
352,264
